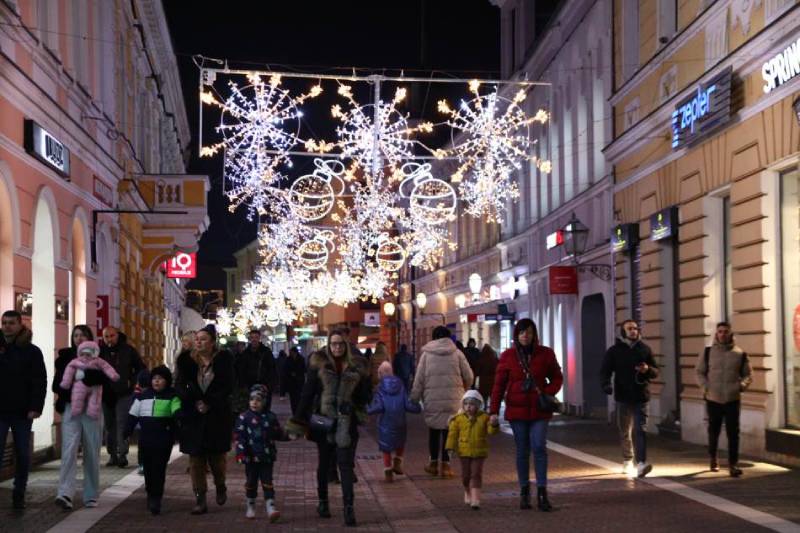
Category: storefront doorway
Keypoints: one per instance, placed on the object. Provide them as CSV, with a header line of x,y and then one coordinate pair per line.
x,y
593,336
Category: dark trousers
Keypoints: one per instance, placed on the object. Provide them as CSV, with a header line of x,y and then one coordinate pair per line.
x,y
294,398
437,439
20,427
115,420
255,472
631,421
729,413
345,459
155,462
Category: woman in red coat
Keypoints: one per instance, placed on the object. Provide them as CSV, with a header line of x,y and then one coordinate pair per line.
x,y
524,371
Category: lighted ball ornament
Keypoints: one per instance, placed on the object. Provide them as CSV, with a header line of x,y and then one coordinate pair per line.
x,y
312,196
431,199
313,254
389,254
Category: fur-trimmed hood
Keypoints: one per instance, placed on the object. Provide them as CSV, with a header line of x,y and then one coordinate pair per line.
x,y
320,359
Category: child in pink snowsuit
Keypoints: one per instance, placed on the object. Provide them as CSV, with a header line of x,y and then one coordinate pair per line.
x,y
83,397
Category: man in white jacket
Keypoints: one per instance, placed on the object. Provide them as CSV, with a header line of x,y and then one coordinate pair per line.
x,y
723,373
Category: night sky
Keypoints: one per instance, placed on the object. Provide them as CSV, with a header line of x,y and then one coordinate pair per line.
x,y
452,38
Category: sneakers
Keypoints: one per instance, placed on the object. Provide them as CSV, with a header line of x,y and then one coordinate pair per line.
x,y
714,465
272,513
64,502
467,497
734,471
476,499
432,468
90,504
642,469
397,466
628,469
251,508
140,470
388,475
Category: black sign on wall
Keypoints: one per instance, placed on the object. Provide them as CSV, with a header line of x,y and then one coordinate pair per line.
x,y
46,148
703,111
664,224
624,237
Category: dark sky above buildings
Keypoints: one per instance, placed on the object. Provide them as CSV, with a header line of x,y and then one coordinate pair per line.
x,y
455,38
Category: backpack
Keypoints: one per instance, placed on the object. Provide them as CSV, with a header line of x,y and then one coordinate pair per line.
x,y
707,353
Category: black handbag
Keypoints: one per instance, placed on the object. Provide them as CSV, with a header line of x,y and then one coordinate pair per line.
x,y
546,403
319,427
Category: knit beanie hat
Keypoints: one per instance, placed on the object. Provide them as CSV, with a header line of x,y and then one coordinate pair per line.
x,y
258,391
164,372
473,396
90,348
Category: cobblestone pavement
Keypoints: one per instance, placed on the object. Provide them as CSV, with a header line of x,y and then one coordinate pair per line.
x,y
588,497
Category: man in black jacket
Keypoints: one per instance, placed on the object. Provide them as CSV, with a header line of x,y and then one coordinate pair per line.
x,y
256,366
23,387
117,396
631,362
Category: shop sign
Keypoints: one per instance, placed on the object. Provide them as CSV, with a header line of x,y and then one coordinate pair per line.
x,y
554,239
46,148
664,224
563,280
624,237
781,68
103,191
372,319
472,317
103,313
182,266
490,318
705,110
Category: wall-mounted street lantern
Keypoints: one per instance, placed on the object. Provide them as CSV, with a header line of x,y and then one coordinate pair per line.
x,y
576,237
422,300
475,283
388,309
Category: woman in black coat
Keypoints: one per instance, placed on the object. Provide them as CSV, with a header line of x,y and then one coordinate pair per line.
x,y
204,384
337,389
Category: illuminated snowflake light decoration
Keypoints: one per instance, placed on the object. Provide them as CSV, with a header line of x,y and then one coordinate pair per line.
x,y
224,321
260,124
496,142
388,143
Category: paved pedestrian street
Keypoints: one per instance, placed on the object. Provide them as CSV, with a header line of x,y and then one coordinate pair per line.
x,y
679,495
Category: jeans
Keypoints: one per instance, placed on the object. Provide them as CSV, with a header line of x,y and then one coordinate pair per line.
x,y
20,426
77,431
255,472
197,471
729,412
531,435
155,462
116,418
345,459
437,439
631,421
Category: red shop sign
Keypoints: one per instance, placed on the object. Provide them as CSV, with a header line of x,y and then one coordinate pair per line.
x,y
182,266
102,312
563,280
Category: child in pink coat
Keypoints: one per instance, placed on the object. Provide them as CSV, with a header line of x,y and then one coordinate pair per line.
x,y
84,397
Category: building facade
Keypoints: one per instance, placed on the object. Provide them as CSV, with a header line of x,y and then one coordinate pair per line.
x,y
573,54
92,122
706,153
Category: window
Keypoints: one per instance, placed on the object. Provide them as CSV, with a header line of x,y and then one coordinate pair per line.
x,y
790,259
630,38
667,21
48,24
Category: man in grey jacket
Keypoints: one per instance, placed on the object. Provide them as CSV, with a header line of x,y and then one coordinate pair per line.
x,y
723,372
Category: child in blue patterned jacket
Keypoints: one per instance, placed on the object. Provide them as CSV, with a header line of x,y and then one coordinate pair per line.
x,y
256,432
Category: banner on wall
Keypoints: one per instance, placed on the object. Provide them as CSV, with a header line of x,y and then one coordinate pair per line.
x,y
103,312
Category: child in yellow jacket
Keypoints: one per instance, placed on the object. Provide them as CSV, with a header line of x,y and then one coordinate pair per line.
x,y
467,436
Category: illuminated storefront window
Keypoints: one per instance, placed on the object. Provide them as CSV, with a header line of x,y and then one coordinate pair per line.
x,y
790,230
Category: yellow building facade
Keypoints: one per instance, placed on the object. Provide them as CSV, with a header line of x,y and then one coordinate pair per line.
x,y
704,127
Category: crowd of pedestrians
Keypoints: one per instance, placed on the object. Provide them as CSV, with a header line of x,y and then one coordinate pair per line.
x,y
106,388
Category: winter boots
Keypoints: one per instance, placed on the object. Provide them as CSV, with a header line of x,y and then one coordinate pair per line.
x,y
222,494
349,516
432,468
388,475
444,470
397,466
525,497
200,506
541,500
324,509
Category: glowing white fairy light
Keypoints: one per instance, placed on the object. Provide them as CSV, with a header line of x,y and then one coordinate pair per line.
x,y
224,322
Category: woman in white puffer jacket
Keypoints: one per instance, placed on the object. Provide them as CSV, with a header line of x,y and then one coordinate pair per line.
x,y
443,374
